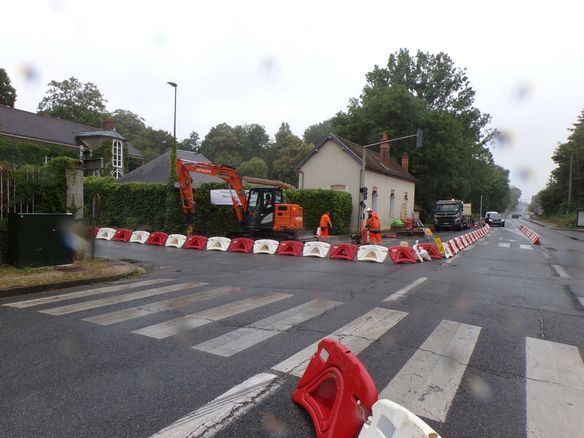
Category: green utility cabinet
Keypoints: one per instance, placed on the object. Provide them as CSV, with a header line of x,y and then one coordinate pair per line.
x,y
39,239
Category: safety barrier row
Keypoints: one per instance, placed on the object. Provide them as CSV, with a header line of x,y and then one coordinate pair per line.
x,y
419,253
530,234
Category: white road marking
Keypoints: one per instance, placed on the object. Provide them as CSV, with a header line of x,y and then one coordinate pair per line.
x,y
245,337
85,293
356,336
450,260
504,245
94,304
581,301
406,290
204,317
526,247
161,306
554,389
561,271
216,414
428,382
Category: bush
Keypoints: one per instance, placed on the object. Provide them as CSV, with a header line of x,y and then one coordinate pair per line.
x,y
316,201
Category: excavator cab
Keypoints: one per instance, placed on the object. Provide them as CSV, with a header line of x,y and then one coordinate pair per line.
x,y
261,207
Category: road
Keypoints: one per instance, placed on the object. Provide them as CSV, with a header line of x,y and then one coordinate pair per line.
x,y
488,343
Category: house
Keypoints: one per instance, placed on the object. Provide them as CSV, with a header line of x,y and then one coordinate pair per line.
x,y
29,138
336,164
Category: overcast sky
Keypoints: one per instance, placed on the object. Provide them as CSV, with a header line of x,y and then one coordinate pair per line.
x,y
300,61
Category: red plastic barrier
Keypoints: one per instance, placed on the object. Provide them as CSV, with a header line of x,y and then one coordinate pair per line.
x,y
290,247
402,254
122,235
432,250
343,251
241,244
336,390
196,242
157,238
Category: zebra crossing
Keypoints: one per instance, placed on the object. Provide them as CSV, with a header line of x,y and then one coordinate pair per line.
x,y
426,384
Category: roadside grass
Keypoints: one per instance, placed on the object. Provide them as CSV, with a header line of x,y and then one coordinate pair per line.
x,y
11,277
559,220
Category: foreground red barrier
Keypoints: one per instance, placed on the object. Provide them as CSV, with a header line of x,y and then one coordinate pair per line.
x,y
343,251
402,254
157,238
196,242
122,235
290,247
336,390
241,244
432,250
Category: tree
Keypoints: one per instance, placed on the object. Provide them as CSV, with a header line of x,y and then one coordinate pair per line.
x,y
254,167
7,92
221,146
315,133
514,195
253,140
74,101
287,151
190,144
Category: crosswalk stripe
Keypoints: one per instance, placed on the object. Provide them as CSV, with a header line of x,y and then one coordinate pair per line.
x,y
198,319
406,290
245,337
94,304
356,336
554,389
224,409
504,245
85,293
161,306
561,271
427,383
525,247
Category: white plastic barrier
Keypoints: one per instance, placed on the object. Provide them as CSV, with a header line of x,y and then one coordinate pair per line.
x,y
139,237
390,420
316,249
454,246
105,233
265,246
465,240
447,253
459,243
421,253
176,240
372,253
218,244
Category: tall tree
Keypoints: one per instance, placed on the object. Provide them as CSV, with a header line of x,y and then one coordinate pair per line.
x,y
315,133
287,151
254,167
74,101
192,143
222,146
7,92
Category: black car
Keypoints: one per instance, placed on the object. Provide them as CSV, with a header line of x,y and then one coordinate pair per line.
x,y
515,216
496,220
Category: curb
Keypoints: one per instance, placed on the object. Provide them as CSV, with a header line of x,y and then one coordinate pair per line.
x,y
550,227
12,292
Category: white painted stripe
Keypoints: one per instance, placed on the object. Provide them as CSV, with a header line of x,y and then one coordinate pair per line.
x,y
356,336
450,260
204,317
427,383
406,290
504,245
554,389
94,304
581,301
561,271
161,306
216,414
526,247
245,337
85,293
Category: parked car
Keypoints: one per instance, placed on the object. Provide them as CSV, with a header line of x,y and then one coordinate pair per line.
x,y
515,216
495,220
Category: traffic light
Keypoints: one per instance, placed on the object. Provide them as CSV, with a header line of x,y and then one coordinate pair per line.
x,y
363,191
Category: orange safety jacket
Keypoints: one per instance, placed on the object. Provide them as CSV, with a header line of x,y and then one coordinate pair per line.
x,y
325,221
373,223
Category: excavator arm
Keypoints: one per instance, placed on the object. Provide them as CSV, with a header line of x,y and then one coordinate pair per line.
x,y
226,173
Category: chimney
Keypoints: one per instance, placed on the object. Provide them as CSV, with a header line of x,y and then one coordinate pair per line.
x,y
109,124
385,150
405,161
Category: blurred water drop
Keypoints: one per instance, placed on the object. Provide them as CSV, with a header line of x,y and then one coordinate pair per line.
x,y
268,68
72,346
523,91
504,138
526,173
479,388
273,425
28,73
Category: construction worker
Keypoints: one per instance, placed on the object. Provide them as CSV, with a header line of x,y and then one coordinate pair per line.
x,y
325,224
374,227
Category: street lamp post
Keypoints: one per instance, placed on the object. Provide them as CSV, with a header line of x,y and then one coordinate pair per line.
x,y
173,149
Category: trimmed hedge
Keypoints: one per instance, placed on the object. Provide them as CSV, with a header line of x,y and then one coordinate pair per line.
x,y
147,207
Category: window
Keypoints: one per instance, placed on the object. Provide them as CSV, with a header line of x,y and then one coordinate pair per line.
x,y
392,204
117,154
374,200
117,173
338,187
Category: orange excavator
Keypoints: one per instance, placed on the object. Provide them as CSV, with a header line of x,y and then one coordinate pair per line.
x,y
260,211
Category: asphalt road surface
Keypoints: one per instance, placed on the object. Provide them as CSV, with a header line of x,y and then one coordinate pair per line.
x,y
488,343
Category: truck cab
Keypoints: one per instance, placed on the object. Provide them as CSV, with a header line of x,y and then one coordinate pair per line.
x,y
449,214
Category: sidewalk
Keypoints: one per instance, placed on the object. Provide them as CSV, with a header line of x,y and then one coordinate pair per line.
x,y
31,280
552,226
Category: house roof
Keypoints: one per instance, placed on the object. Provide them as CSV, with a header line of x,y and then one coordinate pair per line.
x,y
158,169
23,124
372,158
267,182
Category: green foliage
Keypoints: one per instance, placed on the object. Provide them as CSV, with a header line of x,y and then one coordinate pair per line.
x,y
74,101
7,91
3,240
254,167
192,143
514,195
20,152
285,154
315,202
315,133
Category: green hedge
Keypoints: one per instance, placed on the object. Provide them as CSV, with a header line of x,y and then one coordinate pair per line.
x,y
316,201
147,206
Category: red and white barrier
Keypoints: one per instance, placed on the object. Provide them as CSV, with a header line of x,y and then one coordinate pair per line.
x,y
530,234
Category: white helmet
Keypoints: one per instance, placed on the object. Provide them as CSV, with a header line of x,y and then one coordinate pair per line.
x,y
369,210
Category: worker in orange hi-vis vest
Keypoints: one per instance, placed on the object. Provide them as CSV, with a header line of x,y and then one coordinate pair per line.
x,y
325,224
374,227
